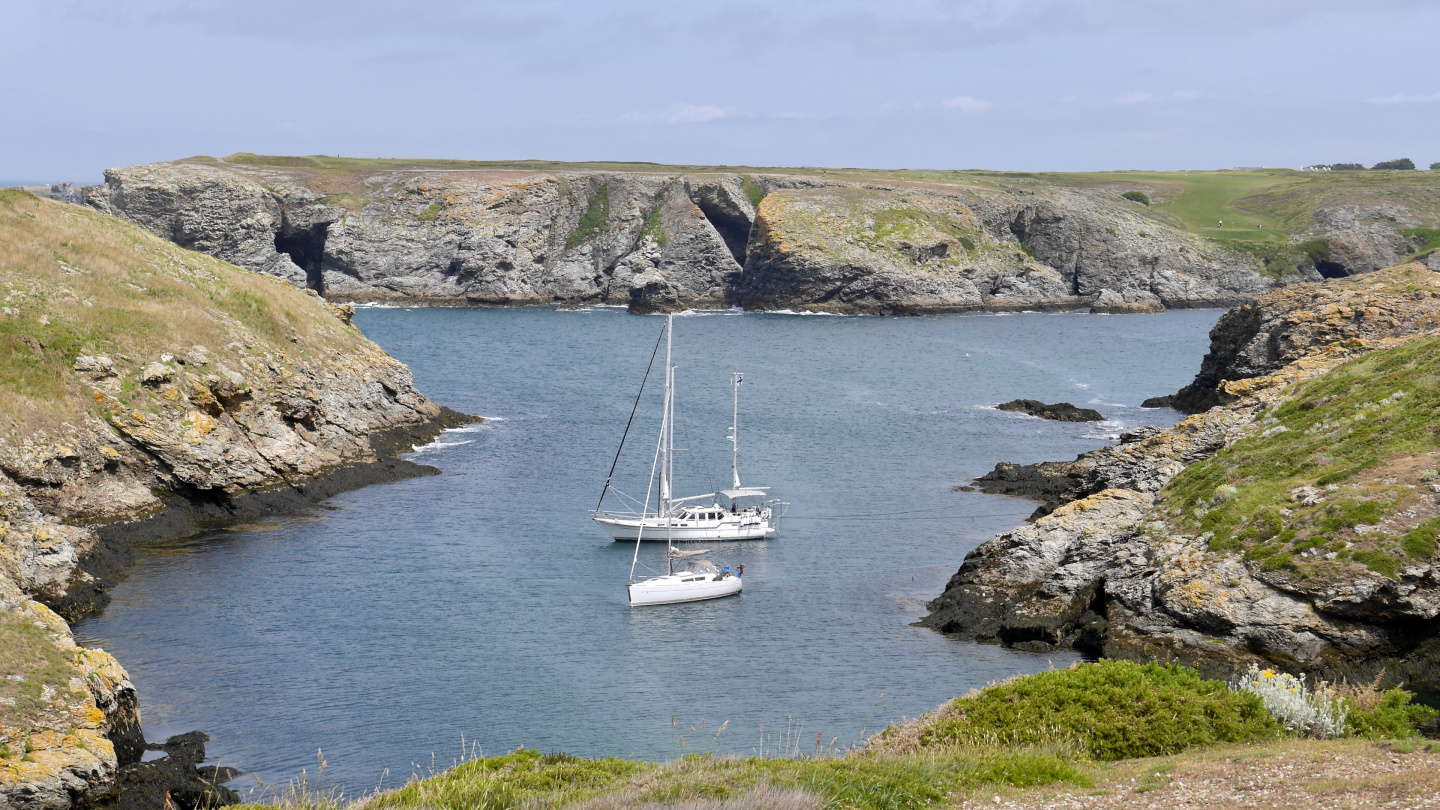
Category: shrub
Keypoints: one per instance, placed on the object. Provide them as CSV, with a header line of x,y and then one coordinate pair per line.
x,y
1346,167
1401,163
1393,715
1315,711
1114,709
1434,166
1137,196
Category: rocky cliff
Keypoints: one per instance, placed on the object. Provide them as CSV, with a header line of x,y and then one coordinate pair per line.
x,y
148,388
1294,525
448,234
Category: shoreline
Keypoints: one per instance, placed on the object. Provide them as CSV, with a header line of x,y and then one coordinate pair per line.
x,y
183,516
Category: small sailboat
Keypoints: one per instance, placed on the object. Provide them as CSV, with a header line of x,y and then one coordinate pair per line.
x,y
696,579
749,516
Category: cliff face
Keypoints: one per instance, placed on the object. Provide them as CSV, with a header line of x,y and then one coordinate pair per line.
x,y
1295,525
147,388
663,240
1268,334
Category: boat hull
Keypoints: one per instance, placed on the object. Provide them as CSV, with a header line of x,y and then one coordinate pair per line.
x,y
659,532
675,589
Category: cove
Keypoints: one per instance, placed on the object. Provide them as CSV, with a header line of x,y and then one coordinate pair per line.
x,y
390,621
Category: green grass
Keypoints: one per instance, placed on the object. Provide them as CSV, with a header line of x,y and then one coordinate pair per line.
x,y
1029,732
747,184
1114,709
654,229
27,652
431,213
1365,432
594,218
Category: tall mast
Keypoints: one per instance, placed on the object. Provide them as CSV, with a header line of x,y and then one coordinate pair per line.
x,y
669,444
667,428
735,379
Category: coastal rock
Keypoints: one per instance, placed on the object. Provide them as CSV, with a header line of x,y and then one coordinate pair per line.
x,y
1263,336
71,741
222,394
516,237
1059,412
1129,301
1106,573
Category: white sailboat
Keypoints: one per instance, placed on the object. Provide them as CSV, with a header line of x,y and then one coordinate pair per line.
x,y
697,579
678,520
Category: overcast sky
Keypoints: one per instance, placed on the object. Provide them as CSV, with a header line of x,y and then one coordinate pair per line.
x,y
995,84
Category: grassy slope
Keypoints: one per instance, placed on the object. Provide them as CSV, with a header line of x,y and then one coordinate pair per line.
x,y
1059,727
74,281
1366,436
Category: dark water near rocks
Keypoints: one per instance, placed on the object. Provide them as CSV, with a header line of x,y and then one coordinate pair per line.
x,y
388,623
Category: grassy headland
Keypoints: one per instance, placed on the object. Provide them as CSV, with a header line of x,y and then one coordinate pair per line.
x,y
77,282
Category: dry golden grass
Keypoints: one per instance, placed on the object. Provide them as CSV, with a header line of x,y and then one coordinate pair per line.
x,y
76,282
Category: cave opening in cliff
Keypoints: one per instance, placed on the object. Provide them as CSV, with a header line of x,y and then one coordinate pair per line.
x,y
306,247
732,226
1330,269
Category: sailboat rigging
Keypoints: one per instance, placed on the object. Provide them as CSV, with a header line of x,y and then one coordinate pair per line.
x,y
748,516
697,579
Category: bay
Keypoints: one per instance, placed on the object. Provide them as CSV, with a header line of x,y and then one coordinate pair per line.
x,y
381,628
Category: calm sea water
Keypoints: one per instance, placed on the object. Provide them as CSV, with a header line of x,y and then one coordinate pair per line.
x,y
388,623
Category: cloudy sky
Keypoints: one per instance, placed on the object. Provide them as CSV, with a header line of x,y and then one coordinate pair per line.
x,y
996,84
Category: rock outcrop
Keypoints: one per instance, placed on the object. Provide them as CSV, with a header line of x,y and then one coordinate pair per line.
x,y
1263,336
151,389
1059,412
1115,570
669,240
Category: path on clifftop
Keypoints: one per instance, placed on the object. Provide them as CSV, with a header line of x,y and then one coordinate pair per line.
x,y
386,624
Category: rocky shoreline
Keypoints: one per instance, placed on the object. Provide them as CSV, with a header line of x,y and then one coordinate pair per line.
x,y
153,392
1109,567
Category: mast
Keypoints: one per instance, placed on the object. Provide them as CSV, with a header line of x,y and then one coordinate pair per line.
x,y
669,445
667,426
735,379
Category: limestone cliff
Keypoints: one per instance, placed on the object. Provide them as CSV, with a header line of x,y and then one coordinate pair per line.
x,y
1295,525
147,388
385,231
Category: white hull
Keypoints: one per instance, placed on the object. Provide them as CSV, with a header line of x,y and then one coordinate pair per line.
x,y
745,527
682,587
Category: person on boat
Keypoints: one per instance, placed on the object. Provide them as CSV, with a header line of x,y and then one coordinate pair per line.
x,y
740,571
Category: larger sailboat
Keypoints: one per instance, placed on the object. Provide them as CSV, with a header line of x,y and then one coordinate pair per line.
x,y
745,515
696,579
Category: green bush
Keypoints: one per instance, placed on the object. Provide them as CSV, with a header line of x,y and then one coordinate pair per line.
x,y
1434,166
1137,196
1401,163
1394,716
1114,709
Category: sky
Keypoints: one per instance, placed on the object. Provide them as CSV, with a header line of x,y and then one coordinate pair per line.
x,y
1026,85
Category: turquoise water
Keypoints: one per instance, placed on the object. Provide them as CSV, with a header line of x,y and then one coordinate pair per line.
x,y
389,622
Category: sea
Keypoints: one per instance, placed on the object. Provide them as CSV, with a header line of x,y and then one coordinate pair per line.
x,y
398,629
